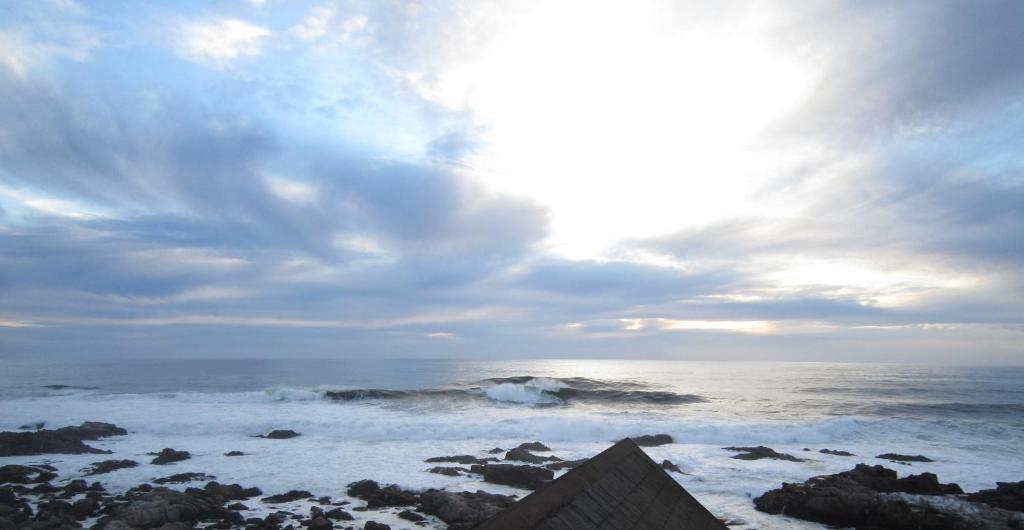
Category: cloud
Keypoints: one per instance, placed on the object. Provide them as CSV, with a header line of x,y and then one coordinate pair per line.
x,y
314,24
220,42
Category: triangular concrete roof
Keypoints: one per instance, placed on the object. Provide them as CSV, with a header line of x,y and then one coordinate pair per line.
x,y
619,489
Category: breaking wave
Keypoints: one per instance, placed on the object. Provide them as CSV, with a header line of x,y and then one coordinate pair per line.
x,y
532,391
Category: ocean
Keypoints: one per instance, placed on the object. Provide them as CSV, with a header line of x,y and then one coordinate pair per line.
x,y
379,419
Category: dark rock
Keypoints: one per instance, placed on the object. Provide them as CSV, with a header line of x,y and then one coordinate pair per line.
x,y
496,451
279,434
237,506
85,507
1007,495
565,464
463,509
33,426
161,506
234,453
320,523
835,453
759,452
527,477
376,496
448,471
92,430
181,478
323,500
410,515
652,440
106,466
667,465
374,525
533,446
231,492
66,440
168,455
292,495
522,455
338,514
896,457
461,459
872,497
18,474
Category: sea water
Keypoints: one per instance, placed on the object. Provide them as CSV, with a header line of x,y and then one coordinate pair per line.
x,y
380,419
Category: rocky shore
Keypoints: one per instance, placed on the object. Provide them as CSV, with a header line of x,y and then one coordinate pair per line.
x,y
35,496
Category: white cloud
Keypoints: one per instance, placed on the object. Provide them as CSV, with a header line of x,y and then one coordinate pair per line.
x,y
352,27
292,190
314,25
222,41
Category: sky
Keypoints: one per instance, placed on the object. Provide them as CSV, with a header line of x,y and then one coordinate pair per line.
x,y
729,180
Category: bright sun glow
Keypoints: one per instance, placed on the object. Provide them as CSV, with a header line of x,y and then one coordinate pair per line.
x,y
624,127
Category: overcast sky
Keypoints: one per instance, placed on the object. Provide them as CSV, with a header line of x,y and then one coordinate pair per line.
x,y
708,180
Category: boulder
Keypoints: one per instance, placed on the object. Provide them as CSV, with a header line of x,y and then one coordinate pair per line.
x,y
374,525
377,496
872,497
533,446
759,452
896,457
565,464
18,474
234,453
168,456
410,515
526,477
279,434
835,453
667,465
338,514
652,440
448,471
106,466
1007,495
65,440
463,509
292,495
522,455
181,478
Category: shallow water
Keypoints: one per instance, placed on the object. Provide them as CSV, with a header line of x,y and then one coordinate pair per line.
x,y
380,419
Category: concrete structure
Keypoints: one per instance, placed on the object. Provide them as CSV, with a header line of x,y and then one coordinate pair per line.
x,y
619,489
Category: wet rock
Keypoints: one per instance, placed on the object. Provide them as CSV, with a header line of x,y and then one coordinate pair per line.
x,y
652,440
106,466
410,515
374,525
65,440
238,507
533,446
230,492
161,505
565,464
759,452
896,457
526,477
1007,495
667,465
463,509
279,434
448,471
181,478
168,456
885,480
234,453
34,426
338,514
292,495
85,507
522,455
496,451
377,496
18,474
836,453
461,459
320,523
872,497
